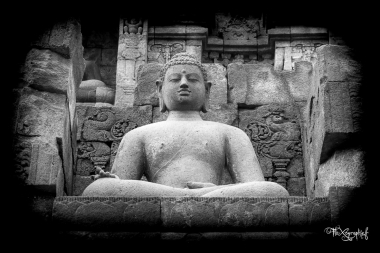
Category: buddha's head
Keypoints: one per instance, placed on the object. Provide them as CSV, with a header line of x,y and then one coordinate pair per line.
x,y
183,85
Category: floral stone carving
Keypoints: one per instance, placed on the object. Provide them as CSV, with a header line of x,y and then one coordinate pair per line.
x,y
96,152
275,134
162,52
109,124
238,27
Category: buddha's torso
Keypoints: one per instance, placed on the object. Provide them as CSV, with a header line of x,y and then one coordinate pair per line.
x,y
181,151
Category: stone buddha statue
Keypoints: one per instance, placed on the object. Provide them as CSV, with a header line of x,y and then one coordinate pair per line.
x,y
184,155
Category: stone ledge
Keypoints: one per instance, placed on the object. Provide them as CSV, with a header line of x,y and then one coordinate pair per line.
x,y
191,214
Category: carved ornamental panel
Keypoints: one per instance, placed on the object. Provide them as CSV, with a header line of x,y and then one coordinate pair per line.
x,y
274,131
162,51
237,27
100,130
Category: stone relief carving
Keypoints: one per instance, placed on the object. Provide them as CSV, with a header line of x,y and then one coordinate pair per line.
x,y
237,27
96,127
103,126
302,52
129,46
227,58
96,152
163,52
122,127
22,158
134,26
275,134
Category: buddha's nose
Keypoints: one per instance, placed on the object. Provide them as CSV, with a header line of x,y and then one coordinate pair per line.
x,y
184,83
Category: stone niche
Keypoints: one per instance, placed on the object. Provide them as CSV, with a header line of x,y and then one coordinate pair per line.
x,y
297,99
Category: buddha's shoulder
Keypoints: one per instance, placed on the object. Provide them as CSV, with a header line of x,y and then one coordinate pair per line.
x,y
168,125
223,128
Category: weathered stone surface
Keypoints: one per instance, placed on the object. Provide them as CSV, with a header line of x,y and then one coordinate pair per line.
x,y
110,123
110,212
296,186
37,123
85,167
63,37
334,108
47,71
145,92
275,135
132,52
91,154
279,58
259,236
195,50
256,84
224,214
80,183
300,80
288,59
295,167
40,114
43,162
135,238
161,51
344,168
224,113
309,214
217,75
338,63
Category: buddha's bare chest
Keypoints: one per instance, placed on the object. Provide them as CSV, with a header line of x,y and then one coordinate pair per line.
x,y
175,143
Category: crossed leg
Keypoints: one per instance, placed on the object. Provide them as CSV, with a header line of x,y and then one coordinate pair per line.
x,y
135,188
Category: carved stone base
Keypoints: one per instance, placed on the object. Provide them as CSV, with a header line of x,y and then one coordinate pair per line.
x,y
191,214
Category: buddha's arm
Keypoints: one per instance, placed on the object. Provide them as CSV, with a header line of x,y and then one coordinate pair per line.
x,y
241,157
130,159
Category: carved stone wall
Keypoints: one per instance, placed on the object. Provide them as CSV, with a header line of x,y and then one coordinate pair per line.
x,y
280,84
276,137
333,148
45,106
131,54
100,130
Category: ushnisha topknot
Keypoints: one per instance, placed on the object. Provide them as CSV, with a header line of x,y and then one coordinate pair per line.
x,y
183,59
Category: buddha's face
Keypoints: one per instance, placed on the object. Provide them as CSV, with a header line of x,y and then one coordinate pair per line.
x,y
184,88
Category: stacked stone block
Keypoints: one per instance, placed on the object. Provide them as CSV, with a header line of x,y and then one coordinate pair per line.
x,y
44,117
333,154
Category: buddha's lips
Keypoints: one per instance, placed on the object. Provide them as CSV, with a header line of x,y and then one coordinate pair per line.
x,y
184,92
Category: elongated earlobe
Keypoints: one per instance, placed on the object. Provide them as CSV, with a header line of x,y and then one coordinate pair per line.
x,y
206,104
163,107
161,102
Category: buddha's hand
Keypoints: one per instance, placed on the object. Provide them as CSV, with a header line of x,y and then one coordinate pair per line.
x,y
196,185
100,173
